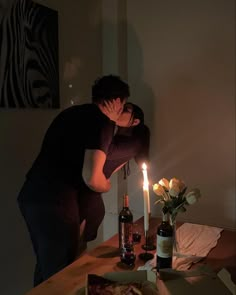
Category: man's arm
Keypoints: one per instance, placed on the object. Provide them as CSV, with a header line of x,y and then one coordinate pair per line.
x,y
96,153
93,171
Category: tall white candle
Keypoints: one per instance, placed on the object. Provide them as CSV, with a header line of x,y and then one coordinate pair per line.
x,y
146,198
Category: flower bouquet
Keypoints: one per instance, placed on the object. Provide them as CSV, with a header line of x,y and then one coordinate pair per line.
x,y
174,197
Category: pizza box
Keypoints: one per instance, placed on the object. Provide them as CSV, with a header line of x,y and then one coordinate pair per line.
x,y
125,277
183,283
146,278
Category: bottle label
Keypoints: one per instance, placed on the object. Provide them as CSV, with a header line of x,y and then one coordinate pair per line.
x,y
126,233
164,246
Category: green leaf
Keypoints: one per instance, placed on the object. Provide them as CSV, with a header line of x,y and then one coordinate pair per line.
x,y
158,201
182,209
183,192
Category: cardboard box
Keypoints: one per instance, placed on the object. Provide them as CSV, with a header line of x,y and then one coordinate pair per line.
x,y
130,276
148,279
191,282
125,276
176,283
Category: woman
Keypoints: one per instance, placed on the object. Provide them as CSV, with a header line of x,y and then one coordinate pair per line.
x,y
132,140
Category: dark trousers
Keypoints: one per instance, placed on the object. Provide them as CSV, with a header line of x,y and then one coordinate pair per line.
x,y
53,218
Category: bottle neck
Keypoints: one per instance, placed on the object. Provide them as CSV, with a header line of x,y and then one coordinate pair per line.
x,y
126,201
165,217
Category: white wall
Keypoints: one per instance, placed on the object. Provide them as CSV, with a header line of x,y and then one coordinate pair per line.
x,y
181,68
80,54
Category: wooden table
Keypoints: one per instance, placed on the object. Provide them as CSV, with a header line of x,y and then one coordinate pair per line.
x,y
105,257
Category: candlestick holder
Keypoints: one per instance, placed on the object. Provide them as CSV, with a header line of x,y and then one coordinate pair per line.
x,y
149,242
145,256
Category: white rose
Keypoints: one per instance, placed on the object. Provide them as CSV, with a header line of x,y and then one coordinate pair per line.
x,y
174,187
174,191
158,190
193,196
165,183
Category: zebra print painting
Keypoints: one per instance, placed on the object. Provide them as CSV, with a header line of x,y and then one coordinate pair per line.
x,y
29,76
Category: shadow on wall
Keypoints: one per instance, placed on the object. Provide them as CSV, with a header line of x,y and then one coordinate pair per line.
x,y
142,95
195,105
141,91
200,127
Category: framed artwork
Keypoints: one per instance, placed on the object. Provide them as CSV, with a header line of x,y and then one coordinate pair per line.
x,y
29,71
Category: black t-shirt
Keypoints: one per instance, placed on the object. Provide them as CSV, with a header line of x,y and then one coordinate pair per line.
x,y
73,131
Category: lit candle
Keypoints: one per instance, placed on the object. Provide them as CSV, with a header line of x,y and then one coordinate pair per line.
x,y
146,198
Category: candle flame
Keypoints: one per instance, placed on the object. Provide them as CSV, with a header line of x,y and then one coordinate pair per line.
x,y
144,166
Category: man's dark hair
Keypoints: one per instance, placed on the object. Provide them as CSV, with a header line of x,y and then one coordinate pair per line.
x,y
109,87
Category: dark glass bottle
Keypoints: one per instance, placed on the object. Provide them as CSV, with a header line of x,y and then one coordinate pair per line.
x,y
126,245
164,244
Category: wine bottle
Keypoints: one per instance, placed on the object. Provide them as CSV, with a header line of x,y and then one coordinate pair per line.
x,y
164,244
126,245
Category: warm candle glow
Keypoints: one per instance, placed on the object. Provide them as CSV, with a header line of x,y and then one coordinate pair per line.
x,y
146,183
146,197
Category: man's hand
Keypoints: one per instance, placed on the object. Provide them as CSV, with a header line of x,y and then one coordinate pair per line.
x,y
113,109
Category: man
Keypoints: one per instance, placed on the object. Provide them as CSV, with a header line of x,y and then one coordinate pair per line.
x,y
72,155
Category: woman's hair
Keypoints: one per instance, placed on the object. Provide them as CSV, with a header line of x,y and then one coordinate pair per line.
x,y
140,131
136,112
109,87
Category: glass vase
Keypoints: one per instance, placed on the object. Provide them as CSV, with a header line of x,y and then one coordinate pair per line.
x,y
175,239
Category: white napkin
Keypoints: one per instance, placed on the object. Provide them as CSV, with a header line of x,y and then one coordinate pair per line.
x,y
195,242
